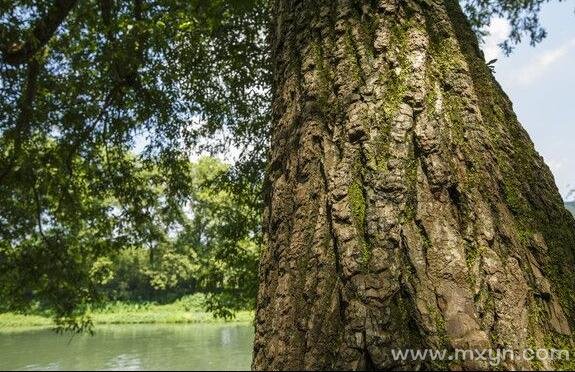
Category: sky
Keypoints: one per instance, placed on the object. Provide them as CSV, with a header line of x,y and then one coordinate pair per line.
x,y
540,81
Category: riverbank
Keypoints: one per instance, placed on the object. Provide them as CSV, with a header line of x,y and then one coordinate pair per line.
x,y
186,310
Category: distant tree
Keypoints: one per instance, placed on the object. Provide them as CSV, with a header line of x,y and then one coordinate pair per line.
x,y
130,245
211,246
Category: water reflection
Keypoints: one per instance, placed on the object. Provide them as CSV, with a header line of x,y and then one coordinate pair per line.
x,y
226,336
47,367
133,347
124,362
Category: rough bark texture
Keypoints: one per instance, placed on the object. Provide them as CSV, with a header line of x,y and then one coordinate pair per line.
x,y
407,206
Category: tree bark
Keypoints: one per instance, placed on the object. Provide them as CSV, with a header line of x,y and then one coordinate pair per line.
x,y
407,207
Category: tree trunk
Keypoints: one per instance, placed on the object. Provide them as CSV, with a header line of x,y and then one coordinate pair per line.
x,y
407,207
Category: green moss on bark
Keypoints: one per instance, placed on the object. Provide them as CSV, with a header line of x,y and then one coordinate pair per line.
x,y
358,208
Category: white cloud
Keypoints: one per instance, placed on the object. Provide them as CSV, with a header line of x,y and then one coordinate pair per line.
x,y
498,31
536,68
562,169
555,165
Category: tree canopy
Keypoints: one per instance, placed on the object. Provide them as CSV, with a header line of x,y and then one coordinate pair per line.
x,y
103,103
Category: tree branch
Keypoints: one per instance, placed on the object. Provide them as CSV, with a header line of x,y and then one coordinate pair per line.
x,y
22,127
43,30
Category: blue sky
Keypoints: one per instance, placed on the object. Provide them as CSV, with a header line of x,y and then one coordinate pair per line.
x,y
540,81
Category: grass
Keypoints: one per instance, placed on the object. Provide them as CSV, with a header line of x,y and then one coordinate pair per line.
x,y
185,310
9,321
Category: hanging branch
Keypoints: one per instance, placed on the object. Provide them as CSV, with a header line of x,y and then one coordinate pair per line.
x,y
25,115
41,33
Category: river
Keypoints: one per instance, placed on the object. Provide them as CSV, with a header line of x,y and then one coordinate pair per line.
x,y
131,347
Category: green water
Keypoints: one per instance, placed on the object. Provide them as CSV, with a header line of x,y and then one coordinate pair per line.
x,y
131,347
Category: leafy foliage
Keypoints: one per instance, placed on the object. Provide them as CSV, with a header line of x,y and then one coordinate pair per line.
x,y
207,241
97,79
522,15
